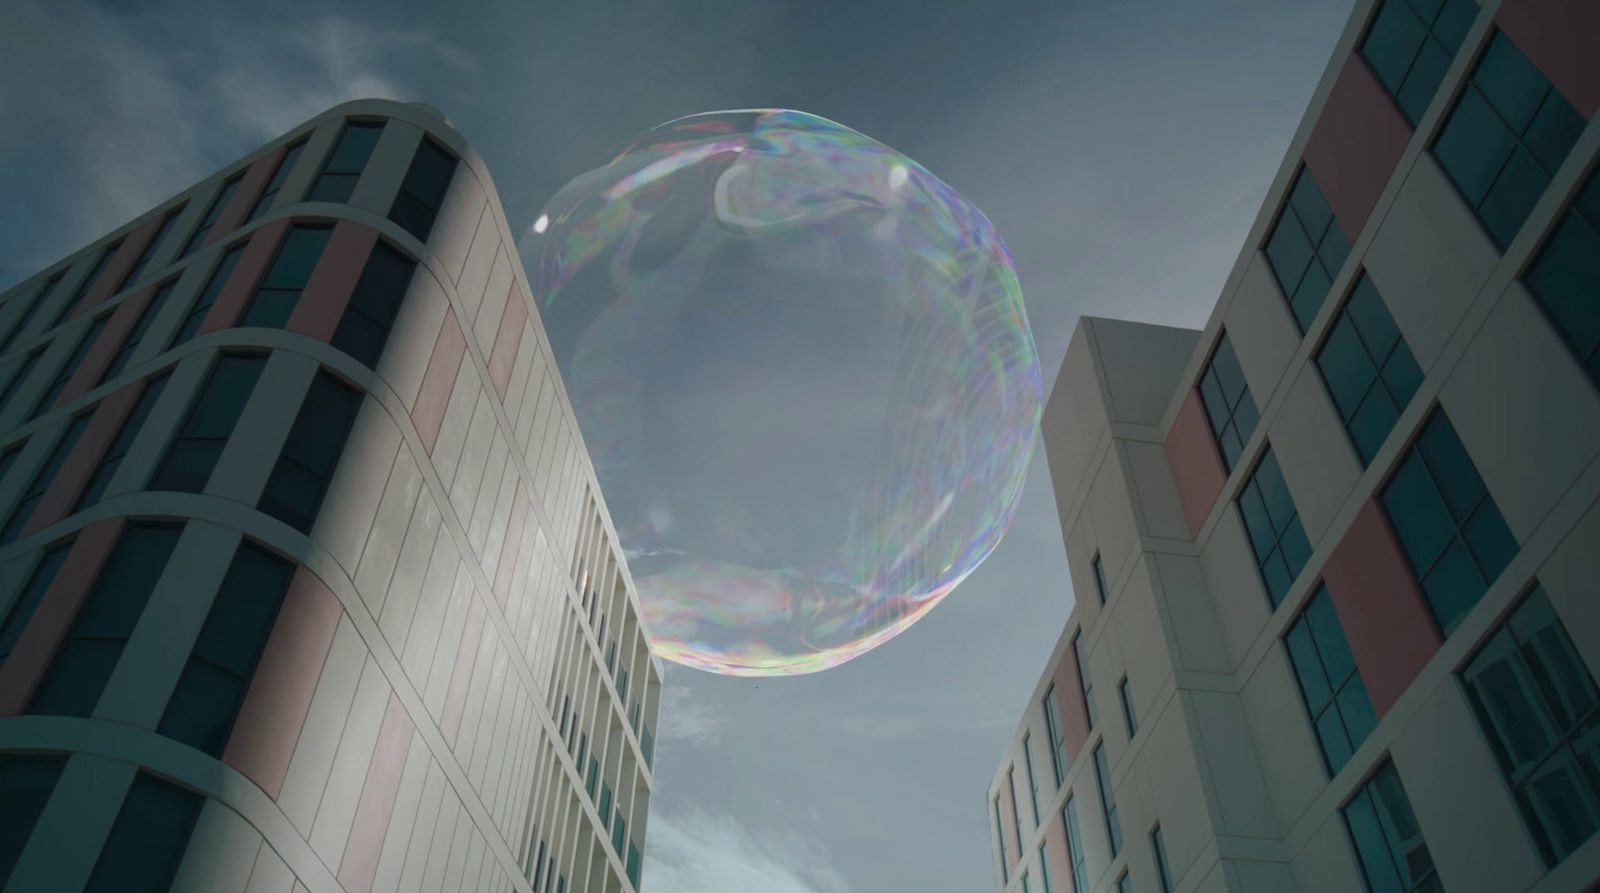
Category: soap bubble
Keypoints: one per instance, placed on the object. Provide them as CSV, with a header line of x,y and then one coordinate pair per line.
x,y
803,372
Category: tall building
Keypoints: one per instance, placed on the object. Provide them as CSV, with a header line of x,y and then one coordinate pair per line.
x,y
305,580
1335,555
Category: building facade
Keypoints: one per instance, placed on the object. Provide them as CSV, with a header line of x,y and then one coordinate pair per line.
x,y
1337,625
305,579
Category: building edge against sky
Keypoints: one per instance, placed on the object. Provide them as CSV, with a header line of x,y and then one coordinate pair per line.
x,y
1336,624
305,578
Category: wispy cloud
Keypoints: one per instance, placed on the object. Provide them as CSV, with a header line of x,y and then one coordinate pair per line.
x,y
128,121
693,851
690,720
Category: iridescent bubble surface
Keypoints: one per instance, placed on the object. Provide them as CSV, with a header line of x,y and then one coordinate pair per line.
x,y
802,368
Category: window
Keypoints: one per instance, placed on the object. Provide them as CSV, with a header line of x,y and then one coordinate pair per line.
x,y
1306,249
1129,718
374,304
274,185
1330,686
21,611
423,189
592,780
213,211
1507,135
1228,404
1084,680
337,181
208,295
8,458
70,366
1033,781
1027,887
194,453
619,832
647,743
273,303
208,695
1099,570
1108,799
1058,741
1538,706
305,467
605,801
1387,839
147,317
31,311
1016,810
1368,368
1163,871
42,479
87,283
1124,883
1448,525
1565,277
148,838
1000,837
1410,46
20,377
83,663
1075,856
1044,872
1277,539
26,784
150,248
633,866
95,489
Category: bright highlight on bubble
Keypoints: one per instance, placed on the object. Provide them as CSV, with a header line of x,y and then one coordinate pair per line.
x,y
803,370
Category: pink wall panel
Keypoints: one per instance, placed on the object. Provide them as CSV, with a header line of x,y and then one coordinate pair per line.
x,y
43,634
1055,855
332,281
244,198
1559,36
84,457
370,826
503,357
455,699
274,709
1196,465
440,379
120,263
1069,700
241,285
1357,141
1008,820
105,347
1390,630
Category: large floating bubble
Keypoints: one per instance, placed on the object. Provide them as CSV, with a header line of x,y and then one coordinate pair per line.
x,y
803,371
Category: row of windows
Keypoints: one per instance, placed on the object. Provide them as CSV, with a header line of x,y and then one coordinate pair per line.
x,y
415,207
146,842
362,332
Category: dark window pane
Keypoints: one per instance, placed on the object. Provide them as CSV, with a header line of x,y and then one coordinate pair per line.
x,y
148,839
1474,145
1553,132
285,166
1421,521
1510,82
203,707
25,787
213,211
1308,298
1490,540
1512,197
297,256
27,600
1289,252
1565,279
1453,585
1427,72
1372,422
1452,469
1346,368
208,295
1392,42
1371,319
1401,375
300,479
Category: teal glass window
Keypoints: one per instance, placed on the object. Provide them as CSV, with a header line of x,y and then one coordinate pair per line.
x,y
1505,138
1565,278
337,180
1306,249
1369,369
31,311
195,452
1277,538
1388,840
422,191
42,478
208,295
52,392
150,248
275,185
1108,799
1058,741
1330,686
148,839
26,783
275,298
213,211
1410,46
112,460
20,611
304,470
1229,407
364,329
1449,527
1075,854
141,327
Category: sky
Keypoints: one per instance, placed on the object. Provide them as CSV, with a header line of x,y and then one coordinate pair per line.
x,y
1121,147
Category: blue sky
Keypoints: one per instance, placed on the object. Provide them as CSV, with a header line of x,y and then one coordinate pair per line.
x,y
1121,148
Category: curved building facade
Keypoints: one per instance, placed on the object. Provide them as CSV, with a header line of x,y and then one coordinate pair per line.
x,y
305,579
